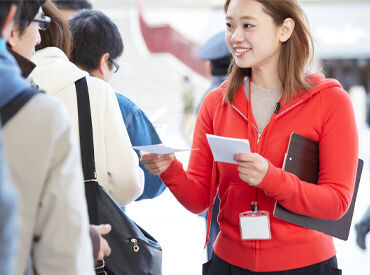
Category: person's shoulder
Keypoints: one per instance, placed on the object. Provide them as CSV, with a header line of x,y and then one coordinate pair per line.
x,y
47,112
125,101
101,94
126,105
97,85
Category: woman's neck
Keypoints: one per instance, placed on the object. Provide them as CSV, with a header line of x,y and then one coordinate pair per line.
x,y
267,78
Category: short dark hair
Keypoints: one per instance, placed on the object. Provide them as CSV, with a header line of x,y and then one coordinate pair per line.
x,y
94,34
28,12
5,8
58,34
221,66
73,4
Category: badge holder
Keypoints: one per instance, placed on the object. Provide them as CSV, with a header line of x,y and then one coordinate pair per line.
x,y
255,224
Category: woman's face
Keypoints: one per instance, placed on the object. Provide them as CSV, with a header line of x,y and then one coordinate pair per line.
x,y
252,35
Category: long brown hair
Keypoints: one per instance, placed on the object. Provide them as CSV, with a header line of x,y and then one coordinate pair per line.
x,y
58,34
295,53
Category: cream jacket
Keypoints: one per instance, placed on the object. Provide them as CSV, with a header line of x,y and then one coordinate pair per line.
x,y
116,162
44,164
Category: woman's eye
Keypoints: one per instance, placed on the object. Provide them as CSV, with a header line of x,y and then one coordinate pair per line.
x,y
247,26
228,25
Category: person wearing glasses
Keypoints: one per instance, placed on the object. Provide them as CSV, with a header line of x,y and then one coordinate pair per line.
x,y
44,163
27,31
97,46
117,165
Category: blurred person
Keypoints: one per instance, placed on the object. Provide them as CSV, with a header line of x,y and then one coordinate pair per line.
x,y
97,46
362,229
217,55
44,165
268,96
8,200
71,7
117,165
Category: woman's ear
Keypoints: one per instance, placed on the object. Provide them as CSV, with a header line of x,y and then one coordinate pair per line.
x,y
287,29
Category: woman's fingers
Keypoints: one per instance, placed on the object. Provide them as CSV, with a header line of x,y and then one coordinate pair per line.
x,y
156,163
252,167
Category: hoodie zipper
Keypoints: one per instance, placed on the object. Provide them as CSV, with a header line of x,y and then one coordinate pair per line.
x,y
240,113
259,135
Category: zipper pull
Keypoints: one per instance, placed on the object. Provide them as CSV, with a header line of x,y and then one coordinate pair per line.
x,y
258,137
135,245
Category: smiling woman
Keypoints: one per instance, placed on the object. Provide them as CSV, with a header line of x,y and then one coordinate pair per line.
x,y
289,20
267,97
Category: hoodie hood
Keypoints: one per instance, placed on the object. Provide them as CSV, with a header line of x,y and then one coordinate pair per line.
x,y
54,72
320,83
12,83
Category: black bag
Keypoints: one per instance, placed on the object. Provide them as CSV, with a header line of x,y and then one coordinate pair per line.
x,y
134,251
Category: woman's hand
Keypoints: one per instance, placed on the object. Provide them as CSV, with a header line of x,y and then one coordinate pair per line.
x,y
252,167
156,164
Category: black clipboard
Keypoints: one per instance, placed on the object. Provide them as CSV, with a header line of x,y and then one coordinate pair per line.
x,y
302,159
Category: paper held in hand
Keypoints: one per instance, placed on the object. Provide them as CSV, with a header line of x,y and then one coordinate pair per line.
x,y
224,148
159,149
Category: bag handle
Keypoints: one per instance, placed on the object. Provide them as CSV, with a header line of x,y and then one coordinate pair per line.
x,y
87,146
85,127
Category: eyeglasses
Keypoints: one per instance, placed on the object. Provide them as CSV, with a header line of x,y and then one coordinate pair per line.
x,y
115,64
43,22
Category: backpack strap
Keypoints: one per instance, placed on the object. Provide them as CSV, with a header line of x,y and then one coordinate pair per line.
x,y
12,107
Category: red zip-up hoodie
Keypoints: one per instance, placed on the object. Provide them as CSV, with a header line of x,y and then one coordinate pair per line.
x,y
325,114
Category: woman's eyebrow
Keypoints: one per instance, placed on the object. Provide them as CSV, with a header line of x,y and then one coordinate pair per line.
x,y
242,17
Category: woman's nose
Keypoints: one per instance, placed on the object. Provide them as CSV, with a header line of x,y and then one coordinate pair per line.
x,y
237,36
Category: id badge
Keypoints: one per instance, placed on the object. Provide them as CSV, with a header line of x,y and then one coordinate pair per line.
x,y
255,225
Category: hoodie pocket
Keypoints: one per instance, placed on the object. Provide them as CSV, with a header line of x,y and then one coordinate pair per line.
x,y
235,200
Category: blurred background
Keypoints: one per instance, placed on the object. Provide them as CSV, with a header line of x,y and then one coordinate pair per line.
x,y
162,41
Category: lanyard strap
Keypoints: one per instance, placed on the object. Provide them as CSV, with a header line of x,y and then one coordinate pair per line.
x,y
249,129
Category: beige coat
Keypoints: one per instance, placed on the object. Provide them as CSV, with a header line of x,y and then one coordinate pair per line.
x,y
44,162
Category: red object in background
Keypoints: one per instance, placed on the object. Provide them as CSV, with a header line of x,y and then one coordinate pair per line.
x,y
165,39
